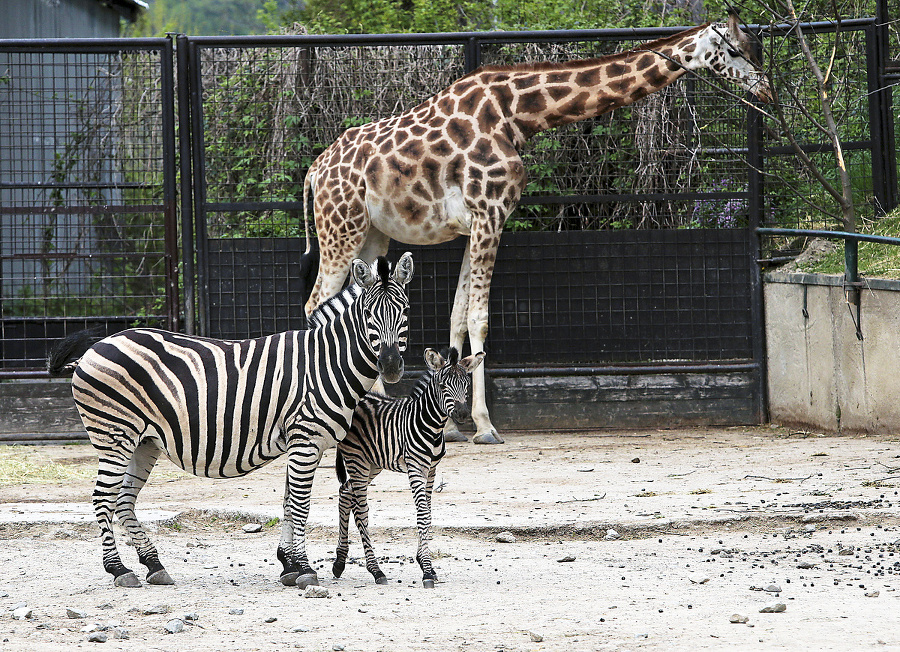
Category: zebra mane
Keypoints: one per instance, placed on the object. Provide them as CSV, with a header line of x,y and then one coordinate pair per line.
x,y
328,311
451,355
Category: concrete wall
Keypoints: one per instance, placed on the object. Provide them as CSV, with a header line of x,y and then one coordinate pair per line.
x,y
820,375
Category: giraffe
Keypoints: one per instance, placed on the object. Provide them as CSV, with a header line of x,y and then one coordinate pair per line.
x,y
451,166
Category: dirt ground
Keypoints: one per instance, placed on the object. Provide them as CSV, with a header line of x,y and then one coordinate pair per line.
x,y
707,520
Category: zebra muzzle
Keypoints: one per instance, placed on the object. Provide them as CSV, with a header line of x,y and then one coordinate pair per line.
x,y
390,364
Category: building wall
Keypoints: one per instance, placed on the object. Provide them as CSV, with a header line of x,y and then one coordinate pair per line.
x,y
821,376
58,19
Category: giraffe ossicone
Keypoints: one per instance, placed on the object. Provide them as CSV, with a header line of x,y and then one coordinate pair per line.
x,y
451,167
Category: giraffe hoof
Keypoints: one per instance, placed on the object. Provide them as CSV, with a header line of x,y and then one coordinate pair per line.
x,y
309,579
290,578
455,436
427,584
488,438
160,577
127,580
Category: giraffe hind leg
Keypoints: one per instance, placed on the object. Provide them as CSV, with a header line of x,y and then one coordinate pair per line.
x,y
142,462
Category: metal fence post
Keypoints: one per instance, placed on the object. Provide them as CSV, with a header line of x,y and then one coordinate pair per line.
x,y
182,58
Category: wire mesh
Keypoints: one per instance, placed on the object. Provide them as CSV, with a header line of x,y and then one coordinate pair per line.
x,y
81,194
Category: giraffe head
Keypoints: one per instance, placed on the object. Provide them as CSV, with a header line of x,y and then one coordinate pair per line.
x,y
728,52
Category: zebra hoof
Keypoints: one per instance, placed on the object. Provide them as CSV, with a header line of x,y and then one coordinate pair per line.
x,y
338,568
427,584
488,438
381,579
160,577
290,578
128,580
310,579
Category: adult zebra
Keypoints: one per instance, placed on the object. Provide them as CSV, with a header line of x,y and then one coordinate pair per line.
x,y
401,434
221,409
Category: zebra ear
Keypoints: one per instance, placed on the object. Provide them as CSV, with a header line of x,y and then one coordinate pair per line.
x,y
471,363
362,274
434,360
403,270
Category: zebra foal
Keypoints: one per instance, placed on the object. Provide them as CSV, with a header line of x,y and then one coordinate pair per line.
x,y
404,435
221,409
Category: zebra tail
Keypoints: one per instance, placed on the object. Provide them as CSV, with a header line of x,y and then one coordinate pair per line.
x,y
65,353
340,468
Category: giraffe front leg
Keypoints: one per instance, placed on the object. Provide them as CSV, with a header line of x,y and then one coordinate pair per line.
x,y
482,255
420,490
458,330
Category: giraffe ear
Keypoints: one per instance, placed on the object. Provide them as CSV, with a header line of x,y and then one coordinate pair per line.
x,y
362,274
434,360
403,270
470,363
734,26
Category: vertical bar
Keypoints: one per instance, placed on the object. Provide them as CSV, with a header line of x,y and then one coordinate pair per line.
x,y
756,208
199,186
173,309
885,99
876,122
182,58
472,54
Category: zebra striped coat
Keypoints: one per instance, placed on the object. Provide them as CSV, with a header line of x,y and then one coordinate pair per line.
x,y
404,435
221,409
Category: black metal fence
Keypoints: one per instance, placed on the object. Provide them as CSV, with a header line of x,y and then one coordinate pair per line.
x,y
87,191
633,241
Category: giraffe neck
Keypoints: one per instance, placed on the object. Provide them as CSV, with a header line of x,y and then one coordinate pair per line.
x,y
548,95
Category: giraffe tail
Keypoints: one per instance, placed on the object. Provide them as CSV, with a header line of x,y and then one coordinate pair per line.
x,y
309,181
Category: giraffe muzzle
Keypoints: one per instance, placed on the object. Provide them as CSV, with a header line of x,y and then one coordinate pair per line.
x,y
390,364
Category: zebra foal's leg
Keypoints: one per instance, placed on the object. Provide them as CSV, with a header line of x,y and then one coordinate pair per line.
x,y
142,462
115,455
421,485
360,503
345,500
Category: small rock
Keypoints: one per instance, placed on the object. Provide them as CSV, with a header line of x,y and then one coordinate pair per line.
x,y
806,564
773,588
97,637
64,533
809,528
611,535
636,460
738,619
193,617
315,591
300,629
105,605
846,550
699,578
506,537
337,647
773,608
535,638
872,594
155,610
252,528
18,606
75,613
22,613
120,633
566,559
271,619
174,626
236,612
94,627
